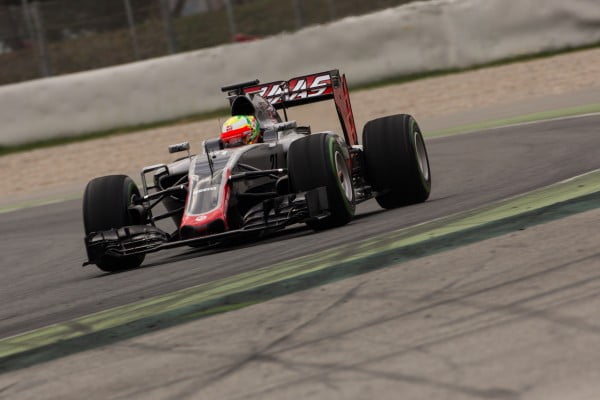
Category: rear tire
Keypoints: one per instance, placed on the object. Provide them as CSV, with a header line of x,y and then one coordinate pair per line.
x,y
316,161
105,206
397,165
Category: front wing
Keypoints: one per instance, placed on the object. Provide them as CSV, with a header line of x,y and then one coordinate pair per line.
x,y
273,214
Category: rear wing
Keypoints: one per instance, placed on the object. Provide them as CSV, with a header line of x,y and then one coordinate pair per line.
x,y
311,89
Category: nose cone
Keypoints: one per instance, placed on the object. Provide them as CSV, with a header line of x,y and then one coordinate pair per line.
x,y
193,231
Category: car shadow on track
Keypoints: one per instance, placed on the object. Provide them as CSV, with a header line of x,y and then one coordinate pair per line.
x,y
179,255
191,253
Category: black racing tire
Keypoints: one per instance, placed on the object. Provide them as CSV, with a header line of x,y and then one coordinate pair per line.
x,y
396,161
316,161
105,206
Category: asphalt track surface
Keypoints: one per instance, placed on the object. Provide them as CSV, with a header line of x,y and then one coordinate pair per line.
x,y
42,248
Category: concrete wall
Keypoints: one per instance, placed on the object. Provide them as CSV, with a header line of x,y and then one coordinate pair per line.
x,y
425,36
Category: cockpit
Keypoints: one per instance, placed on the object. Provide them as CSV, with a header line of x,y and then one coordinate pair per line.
x,y
256,105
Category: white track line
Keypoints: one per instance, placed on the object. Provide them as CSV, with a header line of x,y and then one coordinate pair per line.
x,y
515,125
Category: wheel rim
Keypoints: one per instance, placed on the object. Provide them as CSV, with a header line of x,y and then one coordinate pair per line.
x,y
421,155
341,170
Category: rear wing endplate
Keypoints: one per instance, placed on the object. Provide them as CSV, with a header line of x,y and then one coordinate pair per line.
x,y
311,89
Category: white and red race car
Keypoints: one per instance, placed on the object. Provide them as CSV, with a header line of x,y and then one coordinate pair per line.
x,y
292,176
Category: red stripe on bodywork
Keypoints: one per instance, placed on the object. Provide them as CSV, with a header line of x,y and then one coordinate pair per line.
x,y
204,220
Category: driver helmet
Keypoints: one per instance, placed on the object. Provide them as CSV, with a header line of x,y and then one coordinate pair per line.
x,y
239,130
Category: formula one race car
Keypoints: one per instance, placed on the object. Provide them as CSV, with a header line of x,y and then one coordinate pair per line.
x,y
290,175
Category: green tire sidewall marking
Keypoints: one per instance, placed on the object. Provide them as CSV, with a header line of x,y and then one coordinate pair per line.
x,y
331,144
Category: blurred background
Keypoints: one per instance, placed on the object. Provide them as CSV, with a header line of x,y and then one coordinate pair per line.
x,y
41,38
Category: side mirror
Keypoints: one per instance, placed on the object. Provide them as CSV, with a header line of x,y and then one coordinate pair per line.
x,y
270,136
179,147
211,145
283,126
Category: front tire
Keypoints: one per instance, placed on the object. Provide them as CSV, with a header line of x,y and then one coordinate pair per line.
x,y
316,161
105,206
397,165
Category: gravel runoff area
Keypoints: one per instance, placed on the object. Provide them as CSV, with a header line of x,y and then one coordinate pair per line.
x,y
513,317
65,169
